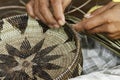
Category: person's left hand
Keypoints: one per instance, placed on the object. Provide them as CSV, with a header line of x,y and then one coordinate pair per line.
x,y
104,20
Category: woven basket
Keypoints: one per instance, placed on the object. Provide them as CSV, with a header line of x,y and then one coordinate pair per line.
x,y
30,50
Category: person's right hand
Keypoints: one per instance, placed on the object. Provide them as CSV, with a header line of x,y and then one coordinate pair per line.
x,y
105,20
51,12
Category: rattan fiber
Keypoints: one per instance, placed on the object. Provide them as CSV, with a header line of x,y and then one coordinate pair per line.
x,y
36,52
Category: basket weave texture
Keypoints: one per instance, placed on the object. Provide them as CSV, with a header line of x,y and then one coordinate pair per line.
x,y
30,50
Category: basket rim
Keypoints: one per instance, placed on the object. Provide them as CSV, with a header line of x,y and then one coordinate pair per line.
x,y
77,57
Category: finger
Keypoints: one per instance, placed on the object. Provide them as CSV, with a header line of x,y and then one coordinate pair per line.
x,y
104,8
99,19
95,21
79,26
65,3
46,13
105,28
114,36
90,23
58,11
117,38
115,31
37,12
29,8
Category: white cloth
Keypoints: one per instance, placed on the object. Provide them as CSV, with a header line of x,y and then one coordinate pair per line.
x,y
108,74
99,63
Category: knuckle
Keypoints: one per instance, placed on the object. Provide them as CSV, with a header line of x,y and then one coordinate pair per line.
x,y
55,2
52,1
42,5
110,15
86,26
107,19
51,22
36,12
58,17
42,8
111,28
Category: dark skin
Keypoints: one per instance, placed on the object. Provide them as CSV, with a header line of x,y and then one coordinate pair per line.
x,y
105,20
50,12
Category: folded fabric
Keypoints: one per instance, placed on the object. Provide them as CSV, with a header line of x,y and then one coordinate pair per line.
x,y
107,74
95,56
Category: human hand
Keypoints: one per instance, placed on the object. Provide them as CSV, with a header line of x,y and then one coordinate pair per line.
x,y
51,12
104,20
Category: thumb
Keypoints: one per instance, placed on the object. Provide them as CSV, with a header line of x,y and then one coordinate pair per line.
x,y
65,3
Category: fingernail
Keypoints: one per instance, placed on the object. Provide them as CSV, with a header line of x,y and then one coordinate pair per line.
x,y
36,18
61,22
56,25
88,15
51,26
